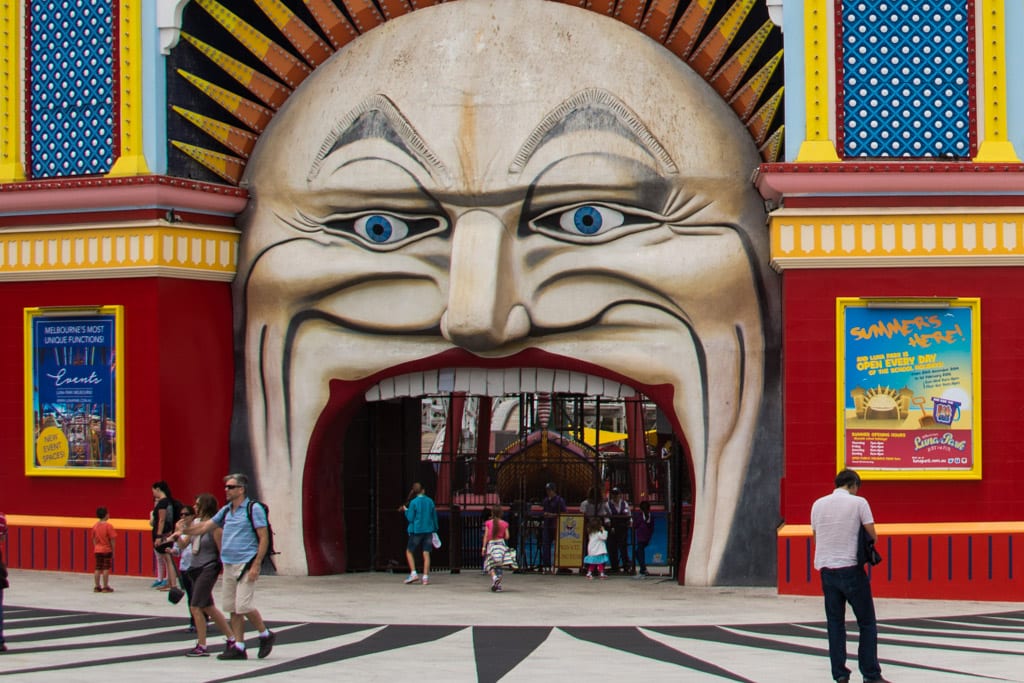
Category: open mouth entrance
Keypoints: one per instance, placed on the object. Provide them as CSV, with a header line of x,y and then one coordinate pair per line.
x,y
473,446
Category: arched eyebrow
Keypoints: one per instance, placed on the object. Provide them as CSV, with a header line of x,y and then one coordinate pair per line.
x,y
378,117
593,109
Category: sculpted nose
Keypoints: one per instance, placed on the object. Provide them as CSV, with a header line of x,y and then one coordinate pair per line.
x,y
483,307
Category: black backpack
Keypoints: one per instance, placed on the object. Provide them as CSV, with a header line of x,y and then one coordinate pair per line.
x,y
268,561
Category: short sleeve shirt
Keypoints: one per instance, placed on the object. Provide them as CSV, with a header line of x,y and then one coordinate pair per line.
x,y
239,543
102,533
836,520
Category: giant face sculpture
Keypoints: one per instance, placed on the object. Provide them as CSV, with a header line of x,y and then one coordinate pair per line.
x,y
499,185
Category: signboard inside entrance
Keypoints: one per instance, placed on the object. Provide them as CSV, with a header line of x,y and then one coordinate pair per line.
x,y
569,541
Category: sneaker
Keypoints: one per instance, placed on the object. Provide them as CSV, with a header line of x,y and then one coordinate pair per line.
x,y
590,575
603,575
232,652
494,586
198,651
499,589
425,580
107,589
266,644
411,578
97,589
159,584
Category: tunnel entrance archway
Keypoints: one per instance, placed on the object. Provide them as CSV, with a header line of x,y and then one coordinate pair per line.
x,y
473,451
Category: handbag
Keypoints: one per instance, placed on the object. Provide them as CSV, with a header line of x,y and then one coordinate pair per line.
x,y
435,540
866,552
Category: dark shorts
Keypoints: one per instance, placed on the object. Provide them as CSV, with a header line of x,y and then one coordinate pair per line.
x,y
203,580
420,542
104,562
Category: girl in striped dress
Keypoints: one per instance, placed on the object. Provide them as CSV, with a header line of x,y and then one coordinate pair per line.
x,y
495,550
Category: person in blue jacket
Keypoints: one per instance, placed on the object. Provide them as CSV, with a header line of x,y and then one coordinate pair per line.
x,y
422,518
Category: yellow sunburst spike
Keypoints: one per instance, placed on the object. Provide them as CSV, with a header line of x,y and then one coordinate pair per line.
x,y
288,67
708,56
302,37
336,25
729,77
237,140
253,115
684,34
658,20
268,90
631,12
762,119
394,8
750,94
364,14
227,167
772,148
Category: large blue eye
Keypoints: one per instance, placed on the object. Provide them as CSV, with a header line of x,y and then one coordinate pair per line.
x,y
590,219
380,228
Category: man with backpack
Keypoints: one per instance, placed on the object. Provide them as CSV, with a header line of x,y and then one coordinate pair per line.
x,y
245,543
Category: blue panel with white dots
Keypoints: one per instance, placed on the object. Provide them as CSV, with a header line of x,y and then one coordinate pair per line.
x,y
905,78
71,87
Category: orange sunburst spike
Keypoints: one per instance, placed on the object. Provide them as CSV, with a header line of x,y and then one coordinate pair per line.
x,y
255,116
364,14
314,50
237,140
601,6
751,92
708,56
658,20
394,8
732,72
288,68
338,28
759,123
630,12
267,89
684,35
771,149
227,167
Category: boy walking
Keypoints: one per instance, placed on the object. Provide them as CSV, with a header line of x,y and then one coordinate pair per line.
x,y
104,537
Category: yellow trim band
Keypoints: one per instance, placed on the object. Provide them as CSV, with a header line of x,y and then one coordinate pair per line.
x,y
142,250
923,529
74,522
813,239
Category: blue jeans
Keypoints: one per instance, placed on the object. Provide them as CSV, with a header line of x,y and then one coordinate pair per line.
x,y
850,585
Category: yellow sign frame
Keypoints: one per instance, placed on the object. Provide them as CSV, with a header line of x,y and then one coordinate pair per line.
x,y
33,422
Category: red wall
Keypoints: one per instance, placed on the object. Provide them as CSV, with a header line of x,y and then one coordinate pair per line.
x,y
810,394
178,369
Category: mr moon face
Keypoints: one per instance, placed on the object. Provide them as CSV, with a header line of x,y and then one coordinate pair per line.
x,y
502,185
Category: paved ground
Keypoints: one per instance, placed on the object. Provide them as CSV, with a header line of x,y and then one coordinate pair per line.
x,y
371,627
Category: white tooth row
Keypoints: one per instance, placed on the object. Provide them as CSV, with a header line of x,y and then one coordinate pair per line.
x,y
482,382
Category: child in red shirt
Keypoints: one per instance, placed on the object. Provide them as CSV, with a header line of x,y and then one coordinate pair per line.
x,y
104,537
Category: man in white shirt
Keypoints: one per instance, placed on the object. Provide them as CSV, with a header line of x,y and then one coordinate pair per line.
x,y
836,520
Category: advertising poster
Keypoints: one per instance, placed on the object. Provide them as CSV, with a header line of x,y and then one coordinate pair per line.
x,y
909,388
569,541
73,392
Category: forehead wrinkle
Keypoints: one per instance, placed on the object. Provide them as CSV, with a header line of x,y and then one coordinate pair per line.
x,y
624,122
396,123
